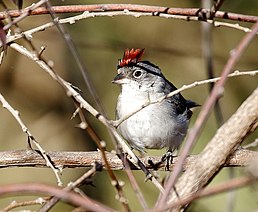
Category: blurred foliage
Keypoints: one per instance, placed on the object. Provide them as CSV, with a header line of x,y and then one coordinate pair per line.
x,y
172,44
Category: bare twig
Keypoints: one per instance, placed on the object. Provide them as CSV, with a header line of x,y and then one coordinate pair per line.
x,y
16,115
215,7
207,52
15,204
153,10
81,65
253,144
68,196
26,12
183,88
85,15
84,72
84,125
53,200
135,185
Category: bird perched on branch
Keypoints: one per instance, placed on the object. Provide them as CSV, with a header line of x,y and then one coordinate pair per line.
x,y
158,125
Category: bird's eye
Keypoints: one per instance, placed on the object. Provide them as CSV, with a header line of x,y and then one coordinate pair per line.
x,y
137,74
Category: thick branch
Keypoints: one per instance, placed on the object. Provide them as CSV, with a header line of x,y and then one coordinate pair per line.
x,y
29,158
223,144
155,10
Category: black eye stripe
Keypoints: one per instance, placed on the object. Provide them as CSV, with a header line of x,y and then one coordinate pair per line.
x,y
150,69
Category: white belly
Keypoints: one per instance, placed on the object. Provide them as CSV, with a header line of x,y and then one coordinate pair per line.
x,y
154,127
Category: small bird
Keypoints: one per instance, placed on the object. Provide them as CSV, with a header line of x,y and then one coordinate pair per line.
x,y
158,125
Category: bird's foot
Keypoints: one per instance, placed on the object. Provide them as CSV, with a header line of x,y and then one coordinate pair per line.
x,y
168,159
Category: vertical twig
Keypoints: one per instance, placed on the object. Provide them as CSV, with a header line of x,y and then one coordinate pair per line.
x,y
208,55
101,146
208,58
135,185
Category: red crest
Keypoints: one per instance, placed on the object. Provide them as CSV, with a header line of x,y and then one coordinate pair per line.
x,y
131,56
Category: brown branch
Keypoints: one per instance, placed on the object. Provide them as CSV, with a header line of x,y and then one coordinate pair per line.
x,y
217,189
30,158
156,10
84,125
16,204
71,186
68,196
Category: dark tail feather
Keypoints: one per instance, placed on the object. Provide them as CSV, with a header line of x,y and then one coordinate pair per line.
x,y
191,104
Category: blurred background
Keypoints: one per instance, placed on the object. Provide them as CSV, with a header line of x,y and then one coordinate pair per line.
x,y
174,45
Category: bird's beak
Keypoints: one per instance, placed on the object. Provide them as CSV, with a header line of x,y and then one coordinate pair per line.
x,y
120,79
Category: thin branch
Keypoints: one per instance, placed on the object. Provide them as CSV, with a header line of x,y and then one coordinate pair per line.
x,y
72,185
68,196
85,15
217,189
84,125
16,115
215,7
253,144
85,74
29,158
183,88
135,185
81,65
15,204
207,53
154,10
26,12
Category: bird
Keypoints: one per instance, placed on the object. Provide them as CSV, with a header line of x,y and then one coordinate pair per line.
x,y
156,126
